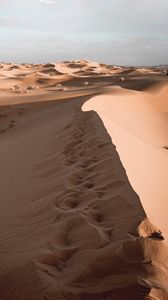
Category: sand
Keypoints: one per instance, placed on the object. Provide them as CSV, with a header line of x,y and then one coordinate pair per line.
x,y
83,182
137,124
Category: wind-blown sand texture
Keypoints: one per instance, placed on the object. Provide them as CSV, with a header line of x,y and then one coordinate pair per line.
x,y
83,173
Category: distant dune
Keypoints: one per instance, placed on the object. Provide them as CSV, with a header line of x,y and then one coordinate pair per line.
x,y
83,182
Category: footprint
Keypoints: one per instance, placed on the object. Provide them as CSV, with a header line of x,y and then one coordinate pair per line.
x,y
88,185
69,162
67,127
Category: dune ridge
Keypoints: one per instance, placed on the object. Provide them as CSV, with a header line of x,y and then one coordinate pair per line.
x,y
138,126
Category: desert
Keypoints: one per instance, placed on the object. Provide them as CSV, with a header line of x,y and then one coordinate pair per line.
x,y
83,181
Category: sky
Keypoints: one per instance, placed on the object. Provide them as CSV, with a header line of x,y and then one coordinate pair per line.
x,y
121,32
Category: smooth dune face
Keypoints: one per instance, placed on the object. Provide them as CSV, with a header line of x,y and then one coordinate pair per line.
x,y
137,124
83,173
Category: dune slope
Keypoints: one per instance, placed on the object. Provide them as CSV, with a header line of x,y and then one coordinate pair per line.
x,y
137,123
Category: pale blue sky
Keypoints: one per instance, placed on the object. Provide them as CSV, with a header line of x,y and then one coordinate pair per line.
x,y
124,32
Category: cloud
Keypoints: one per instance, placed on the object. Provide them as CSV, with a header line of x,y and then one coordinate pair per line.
x,y
48,1
11,21
119,31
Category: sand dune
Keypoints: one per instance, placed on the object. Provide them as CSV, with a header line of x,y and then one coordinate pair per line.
x,y
138,127
43,74
82,183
